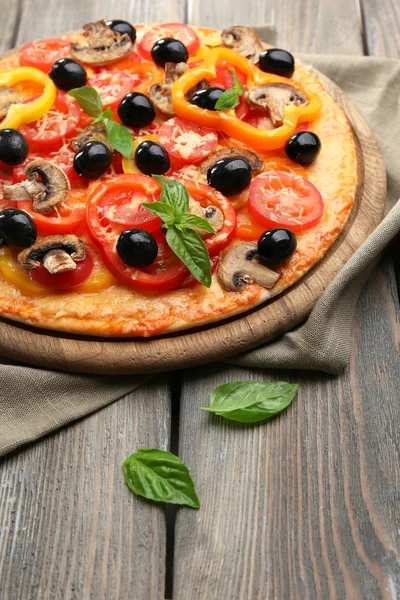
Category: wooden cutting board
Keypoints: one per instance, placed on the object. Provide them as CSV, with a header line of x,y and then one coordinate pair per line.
x,y
196,347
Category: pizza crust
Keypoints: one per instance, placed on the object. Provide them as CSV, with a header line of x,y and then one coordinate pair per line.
x,y
120,311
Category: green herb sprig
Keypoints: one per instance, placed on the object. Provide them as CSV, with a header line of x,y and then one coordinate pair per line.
x,y
90,102
172,208
230,98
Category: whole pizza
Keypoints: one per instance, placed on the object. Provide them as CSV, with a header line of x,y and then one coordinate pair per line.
x,y
156,178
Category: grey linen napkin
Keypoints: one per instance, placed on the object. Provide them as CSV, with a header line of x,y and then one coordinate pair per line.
x,y
34,401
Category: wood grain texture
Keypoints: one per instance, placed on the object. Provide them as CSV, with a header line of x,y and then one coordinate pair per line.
x,y
382,26
70,527
237,335
305,26
304,506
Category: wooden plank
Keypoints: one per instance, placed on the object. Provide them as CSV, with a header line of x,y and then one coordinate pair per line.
x,y
305,26
382,27
69,526
307,505
44,18
9,18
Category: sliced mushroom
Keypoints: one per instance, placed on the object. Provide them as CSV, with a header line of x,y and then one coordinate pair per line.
x,y
212,214
100,45
274,97
8,96
240,267
161,93
173,71
249,156
243,40
59,253
91,133
47,185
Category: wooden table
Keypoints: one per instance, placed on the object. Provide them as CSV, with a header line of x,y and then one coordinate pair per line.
x,y
306,506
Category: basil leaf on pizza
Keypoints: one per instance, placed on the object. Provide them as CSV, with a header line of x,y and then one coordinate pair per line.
x,y
230,98
190,248
195,221
251,401
119,137
174,193
88,99
160,476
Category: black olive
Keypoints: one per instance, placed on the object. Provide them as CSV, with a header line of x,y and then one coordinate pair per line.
x,y
136,110
303,147
276,245
207,98
68,74
137,248
122,27
13,147
92,160
279,62
229,175
17,227
169,50
151,158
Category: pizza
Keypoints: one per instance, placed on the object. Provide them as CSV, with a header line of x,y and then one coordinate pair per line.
x,y
157,178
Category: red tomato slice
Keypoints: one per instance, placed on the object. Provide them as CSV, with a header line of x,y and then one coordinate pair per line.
x,y
224,78
243,109
303,126
112,86
42,54
67,280
282,199
258,118
65,218
57,125
186,142
179,31
63,158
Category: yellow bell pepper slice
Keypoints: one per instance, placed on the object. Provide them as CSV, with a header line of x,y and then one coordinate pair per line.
x,y
227,121
19,114
17,276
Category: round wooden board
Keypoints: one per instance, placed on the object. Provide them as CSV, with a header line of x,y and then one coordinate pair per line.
x,y
196,347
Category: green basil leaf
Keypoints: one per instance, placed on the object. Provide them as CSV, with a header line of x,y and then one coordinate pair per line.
x,y
190,248
161,476
195,221
237,86
227,100
173,192
108,113
88,99
119,137
161,209
251,401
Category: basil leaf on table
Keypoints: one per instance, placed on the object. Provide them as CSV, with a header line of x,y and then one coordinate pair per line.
x,y
173,192
160,476
251,401
88,99
119,138
190,248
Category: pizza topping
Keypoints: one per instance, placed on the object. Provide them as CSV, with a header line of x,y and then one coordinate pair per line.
x,y
230,176
100,45
178,31
249,156
211,214
240,267
303,147
17,227
207,98
91,133
8,96
123,27
13,147
151,158
186,142
136,110
167,50
68,74
274,97
279,62
58,253
137,248
276,245
173,71
47,185
160,94
243,40
92,160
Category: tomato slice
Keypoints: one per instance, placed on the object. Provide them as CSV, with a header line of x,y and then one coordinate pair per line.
x,y
42,54
51,130
258,118
112,86
281,199
66,280
179,31
208,196
224,78
65,218
186,142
